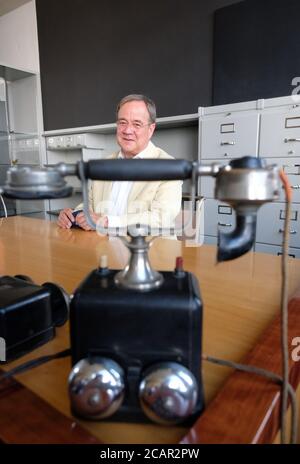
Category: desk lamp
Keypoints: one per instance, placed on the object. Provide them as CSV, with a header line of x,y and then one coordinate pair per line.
x,y
136,333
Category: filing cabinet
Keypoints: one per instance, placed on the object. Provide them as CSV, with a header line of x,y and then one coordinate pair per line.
x,y
227,132
276,250
291,167
274,214
280,133
229,136
218,215
269,129
207,183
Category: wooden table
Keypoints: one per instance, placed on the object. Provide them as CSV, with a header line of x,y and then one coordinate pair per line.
x,y
241,307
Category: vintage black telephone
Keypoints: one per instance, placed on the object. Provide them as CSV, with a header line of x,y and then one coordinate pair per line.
x,y
136,333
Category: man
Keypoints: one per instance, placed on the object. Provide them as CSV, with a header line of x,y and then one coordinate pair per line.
x,y
118,204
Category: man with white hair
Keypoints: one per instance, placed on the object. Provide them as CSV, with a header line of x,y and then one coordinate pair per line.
x,y
123,203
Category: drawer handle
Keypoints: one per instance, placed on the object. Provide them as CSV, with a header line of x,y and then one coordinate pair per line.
x,y
291,140
290,254
292,231
227,143
224,224
294,187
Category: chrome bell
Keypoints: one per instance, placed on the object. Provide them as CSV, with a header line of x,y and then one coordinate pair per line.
x,y
168,393
96,387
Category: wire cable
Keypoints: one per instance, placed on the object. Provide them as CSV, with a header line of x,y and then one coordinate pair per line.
x,y
269,375
4,206
34,363
284,304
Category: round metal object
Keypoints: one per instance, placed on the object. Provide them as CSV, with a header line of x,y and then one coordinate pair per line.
x,y
249,186
96,388
138,275
168,393
35,182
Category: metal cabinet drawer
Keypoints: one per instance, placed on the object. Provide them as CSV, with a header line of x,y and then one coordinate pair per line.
x,y
230,136
209,240
207,183
276,250
218,216
280,134
291,167
270,223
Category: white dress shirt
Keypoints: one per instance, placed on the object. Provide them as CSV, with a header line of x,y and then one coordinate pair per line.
x,y
119,196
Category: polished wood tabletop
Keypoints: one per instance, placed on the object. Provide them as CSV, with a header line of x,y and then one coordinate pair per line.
x,y
241,302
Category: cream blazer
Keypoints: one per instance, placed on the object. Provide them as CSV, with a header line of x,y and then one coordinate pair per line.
x,y
153,203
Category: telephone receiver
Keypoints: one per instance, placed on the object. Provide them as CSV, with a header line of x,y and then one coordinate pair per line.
x,y
245,183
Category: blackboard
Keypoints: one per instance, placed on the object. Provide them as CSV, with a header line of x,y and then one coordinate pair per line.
x,y
94,52
256,50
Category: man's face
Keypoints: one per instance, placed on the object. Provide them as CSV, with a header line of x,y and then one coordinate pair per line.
x,y
134,129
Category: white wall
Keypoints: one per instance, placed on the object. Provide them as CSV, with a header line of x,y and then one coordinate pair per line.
x,y
19,40
22,99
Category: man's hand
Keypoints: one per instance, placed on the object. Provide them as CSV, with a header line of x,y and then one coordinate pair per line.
x,y
81,220
65,218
